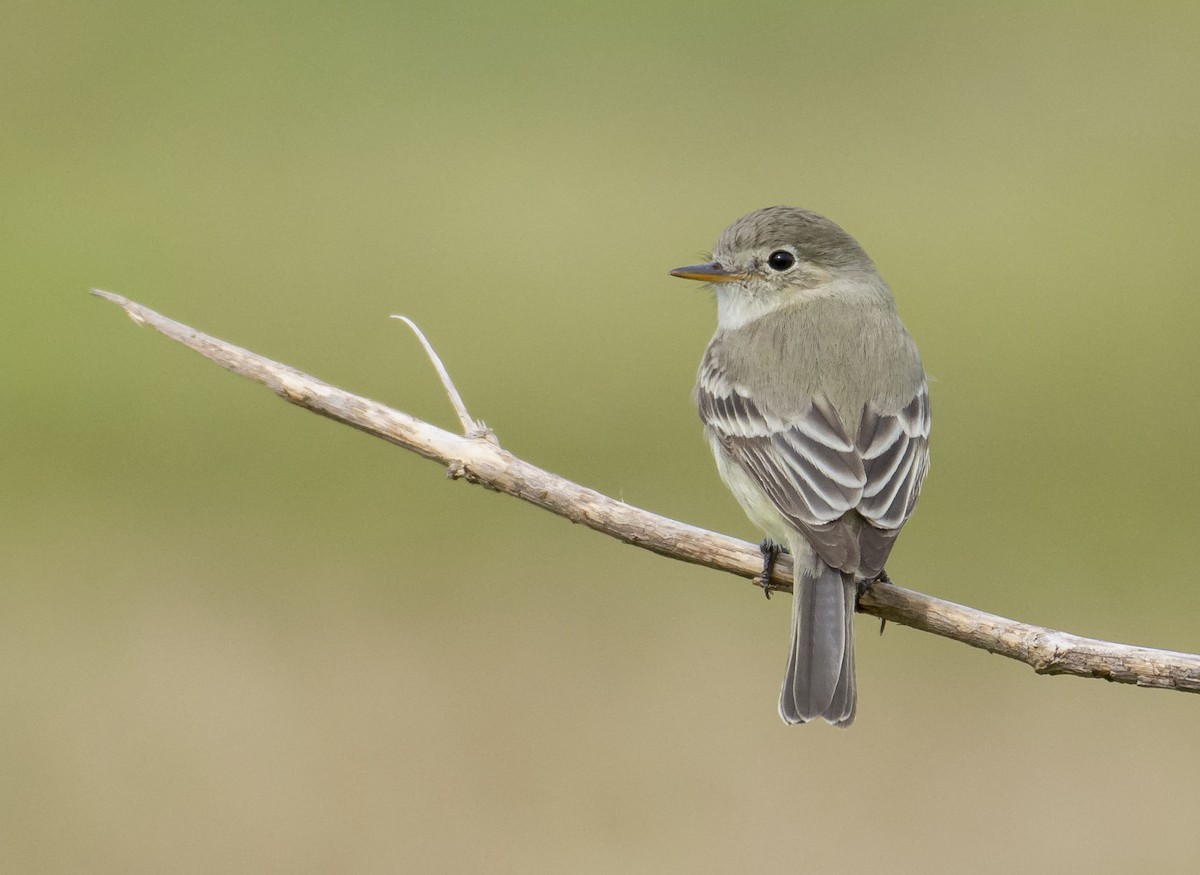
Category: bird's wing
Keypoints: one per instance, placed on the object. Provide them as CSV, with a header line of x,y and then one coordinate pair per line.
x,y
815,473
894,449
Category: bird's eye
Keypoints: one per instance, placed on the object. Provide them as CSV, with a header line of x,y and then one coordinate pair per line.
x,y
780,259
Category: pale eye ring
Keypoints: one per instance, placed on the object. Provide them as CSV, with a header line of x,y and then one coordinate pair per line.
x,y
780,260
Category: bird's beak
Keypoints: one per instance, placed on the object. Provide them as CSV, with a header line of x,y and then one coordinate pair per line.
x,y
710,272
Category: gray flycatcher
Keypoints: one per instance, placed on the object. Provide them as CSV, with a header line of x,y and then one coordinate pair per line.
x,y
815,404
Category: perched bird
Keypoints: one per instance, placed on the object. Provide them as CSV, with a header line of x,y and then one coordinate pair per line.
x,y
815,404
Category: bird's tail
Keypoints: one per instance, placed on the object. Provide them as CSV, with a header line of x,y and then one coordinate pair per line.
x,y
820,670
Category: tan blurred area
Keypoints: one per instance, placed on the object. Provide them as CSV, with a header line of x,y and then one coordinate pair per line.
x,y
236,637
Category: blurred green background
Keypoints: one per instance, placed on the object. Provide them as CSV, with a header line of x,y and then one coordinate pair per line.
x,y
236,637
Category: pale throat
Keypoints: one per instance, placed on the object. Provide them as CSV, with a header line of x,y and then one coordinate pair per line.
x,y
737,307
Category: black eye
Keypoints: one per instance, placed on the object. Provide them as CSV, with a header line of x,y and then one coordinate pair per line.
x,y
781,259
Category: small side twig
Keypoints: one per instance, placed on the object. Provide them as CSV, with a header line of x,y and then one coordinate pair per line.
x,y
1047,651
471,427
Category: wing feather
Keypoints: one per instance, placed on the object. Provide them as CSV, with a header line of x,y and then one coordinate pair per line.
x,y
895,450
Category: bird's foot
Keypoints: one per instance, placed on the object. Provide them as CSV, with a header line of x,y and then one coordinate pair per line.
x,y
769,550
881,577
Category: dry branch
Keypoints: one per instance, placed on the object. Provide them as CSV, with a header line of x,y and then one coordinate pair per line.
x,y
478,458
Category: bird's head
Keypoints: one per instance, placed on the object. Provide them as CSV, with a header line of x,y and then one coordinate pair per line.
x,y
777,256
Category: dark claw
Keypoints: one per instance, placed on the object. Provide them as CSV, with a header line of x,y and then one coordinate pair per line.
x,y
769,550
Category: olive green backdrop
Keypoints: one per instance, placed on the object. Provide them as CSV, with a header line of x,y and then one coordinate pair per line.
x,y
236,637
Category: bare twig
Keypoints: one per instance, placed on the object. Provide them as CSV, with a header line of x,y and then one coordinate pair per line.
x,y
478,458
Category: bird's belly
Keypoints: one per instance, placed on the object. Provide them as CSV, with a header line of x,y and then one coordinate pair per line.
x,y
758,507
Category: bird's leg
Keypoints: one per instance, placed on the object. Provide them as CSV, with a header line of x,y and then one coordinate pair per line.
x,y
769,550
881,577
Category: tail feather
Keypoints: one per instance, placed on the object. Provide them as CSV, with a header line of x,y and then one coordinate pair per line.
x,y
820,673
